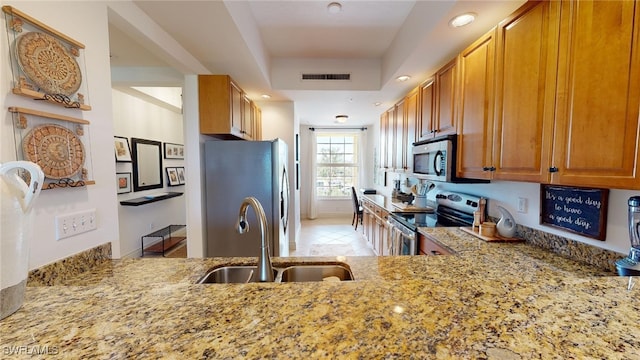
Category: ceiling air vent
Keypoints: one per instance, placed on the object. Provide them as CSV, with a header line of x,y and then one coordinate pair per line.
x,y
326,76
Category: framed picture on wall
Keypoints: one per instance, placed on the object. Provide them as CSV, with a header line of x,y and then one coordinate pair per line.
x,y
173,151
181,179
172,175
124,182
123,151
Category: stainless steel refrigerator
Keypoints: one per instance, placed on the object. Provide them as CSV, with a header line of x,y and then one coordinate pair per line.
x,y
238,169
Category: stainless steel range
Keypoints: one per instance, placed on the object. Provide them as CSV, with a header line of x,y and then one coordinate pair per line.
x,y
452,209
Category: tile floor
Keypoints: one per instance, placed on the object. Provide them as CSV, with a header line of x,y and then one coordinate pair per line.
x,y
331,237
319,237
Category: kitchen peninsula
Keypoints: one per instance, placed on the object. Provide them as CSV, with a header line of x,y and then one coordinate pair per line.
x,y
490,300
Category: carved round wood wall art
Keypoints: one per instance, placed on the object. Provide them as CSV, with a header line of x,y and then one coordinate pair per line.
x,y
46,62
57,150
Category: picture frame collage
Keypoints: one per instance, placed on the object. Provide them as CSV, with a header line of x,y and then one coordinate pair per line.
x,y
175,176
123,155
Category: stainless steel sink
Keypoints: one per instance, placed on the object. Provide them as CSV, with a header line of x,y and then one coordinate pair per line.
x,y
316,273
241,274
231,275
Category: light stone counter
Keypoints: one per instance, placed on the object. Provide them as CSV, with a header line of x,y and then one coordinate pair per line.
x,y
491,301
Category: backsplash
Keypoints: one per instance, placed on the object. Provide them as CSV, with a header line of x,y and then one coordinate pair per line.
x,y
59,271
601,258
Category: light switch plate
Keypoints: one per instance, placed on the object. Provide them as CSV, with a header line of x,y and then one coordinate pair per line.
x,y
76,223
522,205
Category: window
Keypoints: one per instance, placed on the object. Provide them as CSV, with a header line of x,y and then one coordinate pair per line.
x,y
336,165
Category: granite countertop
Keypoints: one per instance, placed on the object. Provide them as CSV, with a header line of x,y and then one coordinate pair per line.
x,y
490,300
392,205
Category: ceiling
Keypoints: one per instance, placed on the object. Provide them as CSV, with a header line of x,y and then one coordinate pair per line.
x,y
266,46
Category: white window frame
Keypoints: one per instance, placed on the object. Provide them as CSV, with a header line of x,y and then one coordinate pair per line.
x,y
355,165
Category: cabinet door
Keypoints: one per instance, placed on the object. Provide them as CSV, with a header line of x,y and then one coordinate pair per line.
x,y
475,115
427,246
247,118
598,94
399,153
391,138
257,123
384,147
236,109
214,104
409,136
526,59
425,129
445,121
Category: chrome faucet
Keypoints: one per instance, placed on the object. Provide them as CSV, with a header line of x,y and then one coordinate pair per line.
x,y
265,270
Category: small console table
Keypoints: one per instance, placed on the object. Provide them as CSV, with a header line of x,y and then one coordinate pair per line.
x,y
162,240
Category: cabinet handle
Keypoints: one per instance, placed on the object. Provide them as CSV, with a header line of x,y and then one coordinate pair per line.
x,y
553,169
488,168
434,131
435,252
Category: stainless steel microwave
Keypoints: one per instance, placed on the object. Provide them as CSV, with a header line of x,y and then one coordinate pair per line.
x,y
435,160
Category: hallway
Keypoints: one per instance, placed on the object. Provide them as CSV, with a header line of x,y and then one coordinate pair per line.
x,y
331,237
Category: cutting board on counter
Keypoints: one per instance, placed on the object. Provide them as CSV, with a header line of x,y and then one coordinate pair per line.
x,y
410,208
496,238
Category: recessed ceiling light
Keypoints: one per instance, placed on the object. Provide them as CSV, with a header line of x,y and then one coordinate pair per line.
x,y
266,96
334,7
403,78
463,19
341,119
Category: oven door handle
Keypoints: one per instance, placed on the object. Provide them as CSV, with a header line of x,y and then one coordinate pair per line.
x,y
396,236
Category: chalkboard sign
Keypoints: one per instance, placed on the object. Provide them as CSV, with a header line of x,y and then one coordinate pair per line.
x,y
579,210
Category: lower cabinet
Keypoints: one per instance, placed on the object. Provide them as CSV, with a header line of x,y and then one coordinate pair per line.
x,y
375,228
428,246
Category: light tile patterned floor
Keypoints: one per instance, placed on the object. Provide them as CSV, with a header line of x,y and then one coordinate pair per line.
x,y
319,237
331,237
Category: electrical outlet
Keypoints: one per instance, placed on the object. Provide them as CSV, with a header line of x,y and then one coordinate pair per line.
x,y
522,205
77,223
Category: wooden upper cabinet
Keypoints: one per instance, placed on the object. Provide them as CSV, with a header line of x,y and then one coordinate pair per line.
x,y
475,113
225,111
527,43
425,121
400,153
409,134
391,138
257,122
437,110
236,108
445,99
384,147
596,134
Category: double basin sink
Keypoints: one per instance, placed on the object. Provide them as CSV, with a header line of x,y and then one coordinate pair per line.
x,y
241,274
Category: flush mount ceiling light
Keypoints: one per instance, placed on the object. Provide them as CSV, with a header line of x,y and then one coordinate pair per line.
x,y
334,7
341,119
463,19
377,103
403,78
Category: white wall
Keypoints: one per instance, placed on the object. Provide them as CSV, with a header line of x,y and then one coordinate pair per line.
x,y
134,117
506,193
86,23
